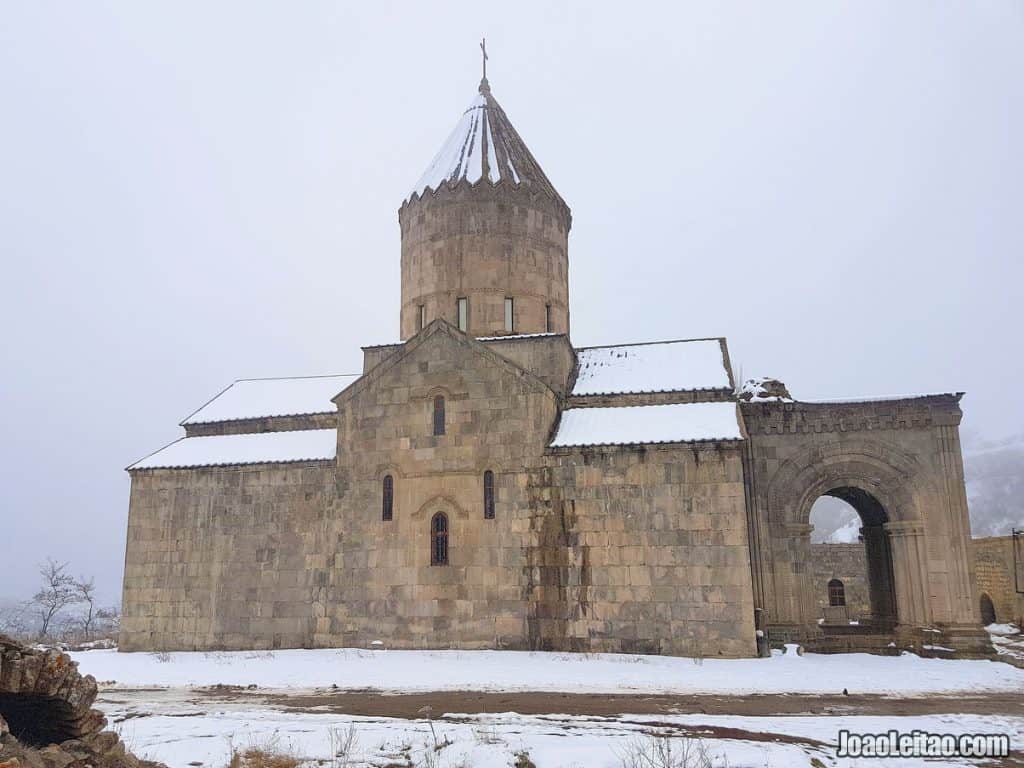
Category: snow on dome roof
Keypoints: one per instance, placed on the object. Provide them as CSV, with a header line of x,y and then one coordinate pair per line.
x,y
484,145
258,398
228,450
644,424
667,366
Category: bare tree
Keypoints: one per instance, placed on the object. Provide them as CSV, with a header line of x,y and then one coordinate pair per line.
x,y
109,619
16,621
85,590
58,593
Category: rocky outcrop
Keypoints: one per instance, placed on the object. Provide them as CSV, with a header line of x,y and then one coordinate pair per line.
x,y
46,714
764,390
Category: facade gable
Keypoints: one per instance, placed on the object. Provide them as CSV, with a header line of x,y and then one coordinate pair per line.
x,y
494,411
433,334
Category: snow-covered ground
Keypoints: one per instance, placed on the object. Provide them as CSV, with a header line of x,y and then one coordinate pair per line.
x,y
1008,641
352,669
160,715
185,737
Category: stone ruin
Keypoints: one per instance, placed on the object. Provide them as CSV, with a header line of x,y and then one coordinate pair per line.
x,y
46,714
764,390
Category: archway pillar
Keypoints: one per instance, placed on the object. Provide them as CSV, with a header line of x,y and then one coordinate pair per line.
x,y
793,598
909,559
881,590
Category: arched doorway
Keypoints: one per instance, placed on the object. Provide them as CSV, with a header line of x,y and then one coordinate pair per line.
x,y
851,516
988,610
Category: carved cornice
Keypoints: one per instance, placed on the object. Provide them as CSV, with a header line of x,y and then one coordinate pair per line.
x,y
502,190
781,418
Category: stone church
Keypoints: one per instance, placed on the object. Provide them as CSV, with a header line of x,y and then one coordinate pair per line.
x,y
483,483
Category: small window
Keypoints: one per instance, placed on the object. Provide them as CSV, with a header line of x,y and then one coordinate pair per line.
x,y
462,311
421,318
488,495
510,315
439,415
439,539
388,498
547,318
836,593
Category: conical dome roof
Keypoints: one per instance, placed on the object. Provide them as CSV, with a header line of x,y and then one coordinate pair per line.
x,y
484,145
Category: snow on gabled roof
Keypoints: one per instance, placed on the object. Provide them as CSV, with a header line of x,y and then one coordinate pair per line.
x,y
666,366
645,424
484,145
258,398
517,336
228,450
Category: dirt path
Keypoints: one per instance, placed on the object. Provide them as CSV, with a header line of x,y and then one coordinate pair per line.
x,y
410,705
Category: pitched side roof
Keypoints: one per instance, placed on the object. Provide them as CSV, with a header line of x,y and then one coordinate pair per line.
x,y
666,366
258,398
484,145
233,450
648,424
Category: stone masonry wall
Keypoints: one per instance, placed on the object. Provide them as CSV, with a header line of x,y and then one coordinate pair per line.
x,y
613,549
217,558
380,583
994,576
900,460
642,550
265,424
485,244
848,563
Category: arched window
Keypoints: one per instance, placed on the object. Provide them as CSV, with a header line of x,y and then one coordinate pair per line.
x,y
836,593
439,415
488,495
439,539
388,498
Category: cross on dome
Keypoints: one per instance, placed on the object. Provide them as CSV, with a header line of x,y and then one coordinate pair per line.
x,y
484,85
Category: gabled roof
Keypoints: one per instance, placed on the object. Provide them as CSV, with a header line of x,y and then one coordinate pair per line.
x,y
484,145
665,366
439,327
233,450
259,398
648,424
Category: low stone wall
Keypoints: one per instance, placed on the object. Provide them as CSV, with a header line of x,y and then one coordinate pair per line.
x,y
849,564
994,576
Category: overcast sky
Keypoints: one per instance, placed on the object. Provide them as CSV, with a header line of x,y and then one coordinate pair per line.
x,y
196,192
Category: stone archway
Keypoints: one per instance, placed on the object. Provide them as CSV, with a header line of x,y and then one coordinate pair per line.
x,y
903,452
878,554
988,610
879,483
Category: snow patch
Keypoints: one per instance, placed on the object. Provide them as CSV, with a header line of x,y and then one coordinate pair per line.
x,y
261,448
461,155
1002,629
645,424
259,398
396,670
764,390
669,366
